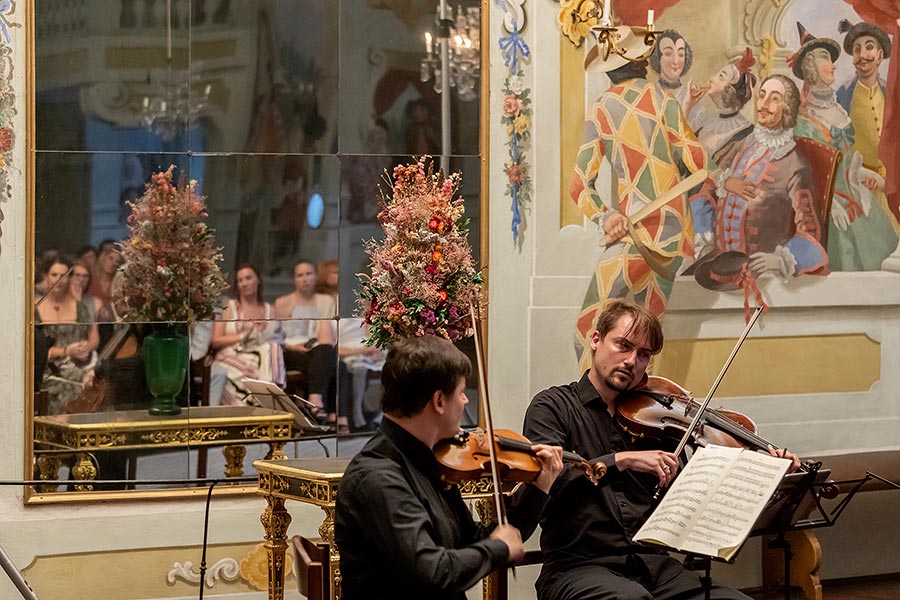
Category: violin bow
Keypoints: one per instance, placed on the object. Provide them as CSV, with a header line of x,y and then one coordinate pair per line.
x,y
712,390
488,421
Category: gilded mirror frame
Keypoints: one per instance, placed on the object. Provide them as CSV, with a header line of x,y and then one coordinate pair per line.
x,y
31,495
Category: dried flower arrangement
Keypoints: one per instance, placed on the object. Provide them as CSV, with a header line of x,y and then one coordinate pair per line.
x,y
423,274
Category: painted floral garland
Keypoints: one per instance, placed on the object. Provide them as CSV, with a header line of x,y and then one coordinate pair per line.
x,y
7,100
517,119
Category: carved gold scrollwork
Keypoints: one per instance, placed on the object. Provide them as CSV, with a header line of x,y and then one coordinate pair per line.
x,y
576,17
767,56
234,460
275,520
276,451
326,529
84,470
48,467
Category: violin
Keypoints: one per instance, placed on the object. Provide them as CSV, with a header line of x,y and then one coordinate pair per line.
x,y
662,409
122,345
466,457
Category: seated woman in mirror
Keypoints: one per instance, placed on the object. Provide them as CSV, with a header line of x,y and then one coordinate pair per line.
x,y
104,271
309,345
74,338
246,342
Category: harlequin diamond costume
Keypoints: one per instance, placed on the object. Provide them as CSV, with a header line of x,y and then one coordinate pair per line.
x,y
643,133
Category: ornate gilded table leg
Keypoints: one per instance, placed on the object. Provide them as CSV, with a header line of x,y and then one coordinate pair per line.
x,y
84,470
48,468
326,532
275,520
276,451
234,460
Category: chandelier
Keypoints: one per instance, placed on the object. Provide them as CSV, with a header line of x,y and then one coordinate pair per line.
x,y
178,99
608,35
462,34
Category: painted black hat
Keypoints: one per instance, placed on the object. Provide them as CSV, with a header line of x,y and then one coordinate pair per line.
x,y
808,43
861,29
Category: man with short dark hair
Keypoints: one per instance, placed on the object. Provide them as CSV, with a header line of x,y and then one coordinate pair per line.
x,y
585,531
401,531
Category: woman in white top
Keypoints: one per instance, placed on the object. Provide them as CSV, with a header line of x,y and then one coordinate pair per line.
x,y
309,345
247,340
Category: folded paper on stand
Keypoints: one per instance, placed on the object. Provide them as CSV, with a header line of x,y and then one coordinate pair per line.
x,y
715,501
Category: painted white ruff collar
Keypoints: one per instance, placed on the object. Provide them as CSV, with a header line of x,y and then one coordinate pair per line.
x,y
779,140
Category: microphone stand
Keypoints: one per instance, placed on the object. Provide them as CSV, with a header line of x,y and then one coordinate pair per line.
x,y
28,594
16,576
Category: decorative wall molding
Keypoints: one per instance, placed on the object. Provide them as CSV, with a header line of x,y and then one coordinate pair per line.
x,y
762,26
226,569
514,14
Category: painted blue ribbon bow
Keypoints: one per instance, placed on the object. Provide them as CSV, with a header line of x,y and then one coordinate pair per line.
x,y
842,136
511,46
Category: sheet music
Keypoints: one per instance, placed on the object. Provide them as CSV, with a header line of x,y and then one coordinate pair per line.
x,y
715,501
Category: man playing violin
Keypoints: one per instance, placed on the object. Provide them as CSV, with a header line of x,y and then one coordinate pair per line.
x,y
587,530
401,531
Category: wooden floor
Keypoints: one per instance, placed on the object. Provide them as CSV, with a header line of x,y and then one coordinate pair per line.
x,y
871,588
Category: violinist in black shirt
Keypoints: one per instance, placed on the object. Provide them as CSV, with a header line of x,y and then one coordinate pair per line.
x,y
401,532
586,531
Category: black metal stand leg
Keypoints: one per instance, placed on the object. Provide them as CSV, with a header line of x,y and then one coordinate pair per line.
x,y
788,555
706,580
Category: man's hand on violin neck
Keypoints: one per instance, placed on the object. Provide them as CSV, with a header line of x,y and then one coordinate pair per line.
x,y
783,453
551,461
510,536
663,465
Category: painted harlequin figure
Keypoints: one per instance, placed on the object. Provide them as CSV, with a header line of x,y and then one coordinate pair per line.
x,y
642,132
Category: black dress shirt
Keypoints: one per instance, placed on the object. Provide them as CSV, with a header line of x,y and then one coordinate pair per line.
x,y
401,533
583,523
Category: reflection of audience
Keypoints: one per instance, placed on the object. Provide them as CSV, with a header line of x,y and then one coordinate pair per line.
x,y
247,342
66,322
421,135
81,283
364,173
359,361
107,264
289,217
327,278
729,89
860,235
87,255
309,341
764,204
42,265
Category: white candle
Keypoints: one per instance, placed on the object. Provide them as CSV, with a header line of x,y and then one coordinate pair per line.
x,y
606,17
428,42
650,19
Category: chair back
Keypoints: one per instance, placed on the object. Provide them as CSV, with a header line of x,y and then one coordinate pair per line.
x,y
312,567
823,162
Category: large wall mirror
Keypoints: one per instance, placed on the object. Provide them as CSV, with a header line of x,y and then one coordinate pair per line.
x,y
286,113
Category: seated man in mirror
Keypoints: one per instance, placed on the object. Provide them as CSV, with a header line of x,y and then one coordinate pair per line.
x,y
402,532
309,342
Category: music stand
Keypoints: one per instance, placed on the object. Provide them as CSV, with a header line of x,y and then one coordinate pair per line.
x,y
798,496
266,394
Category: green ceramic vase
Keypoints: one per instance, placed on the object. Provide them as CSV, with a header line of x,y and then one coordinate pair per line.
x,y
165,362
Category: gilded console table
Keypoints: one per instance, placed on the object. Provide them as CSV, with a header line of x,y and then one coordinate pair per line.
x,y
229,426
315,481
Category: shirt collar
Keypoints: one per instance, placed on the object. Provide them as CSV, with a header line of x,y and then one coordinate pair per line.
x,y
586,390
416,452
